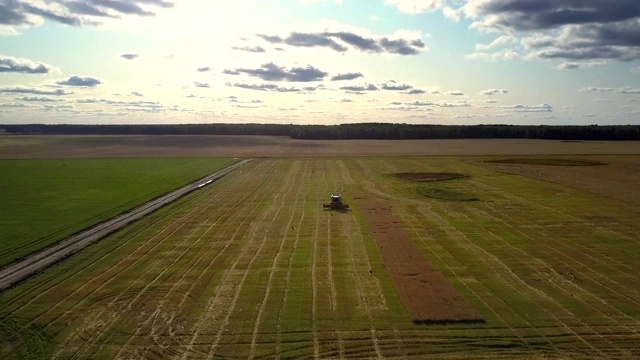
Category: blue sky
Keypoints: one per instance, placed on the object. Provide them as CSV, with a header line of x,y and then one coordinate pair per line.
x,y
320,62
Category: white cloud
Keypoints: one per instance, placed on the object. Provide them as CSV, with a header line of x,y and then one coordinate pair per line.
x,y
452,14
21,65
498,42
306,2
529,108
416,6
628,90
571,65
597,89
493,91
498,55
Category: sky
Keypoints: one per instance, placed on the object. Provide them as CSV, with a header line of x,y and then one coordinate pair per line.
x,y
521,62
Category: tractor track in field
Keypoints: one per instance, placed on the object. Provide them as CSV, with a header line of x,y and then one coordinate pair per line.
x,y
363,298
488,259
273,267
450,268
229,310
505,246
154,330
285,297
99,323
314,281
55,281
582,252
245,218
96,335
551,270
398,339
557,214
332,285
183,221
205,255
576,247
225,284
118,269
24,269
586,272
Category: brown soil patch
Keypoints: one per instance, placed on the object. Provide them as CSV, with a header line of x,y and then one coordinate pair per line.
x,y
426,293
429,176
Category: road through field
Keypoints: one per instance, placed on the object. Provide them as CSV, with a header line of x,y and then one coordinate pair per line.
x,y
23,269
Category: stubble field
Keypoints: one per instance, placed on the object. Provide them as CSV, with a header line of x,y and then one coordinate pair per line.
x,y
252,267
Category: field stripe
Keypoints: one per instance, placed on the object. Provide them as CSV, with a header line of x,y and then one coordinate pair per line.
x,y
224,285
331,279
276,259
350,233
584,269
282,200
283,306
320,194
161,310
523,255
495,263
541,246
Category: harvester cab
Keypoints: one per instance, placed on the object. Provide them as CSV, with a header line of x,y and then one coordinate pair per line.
x,y
336,203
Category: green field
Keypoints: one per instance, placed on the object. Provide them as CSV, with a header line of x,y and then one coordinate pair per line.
x,y
252,267
44,201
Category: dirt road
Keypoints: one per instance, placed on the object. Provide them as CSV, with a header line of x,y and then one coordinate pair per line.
x,y
23,269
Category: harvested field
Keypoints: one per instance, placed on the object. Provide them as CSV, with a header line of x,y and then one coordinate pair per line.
x,y
253,267
547,161
428,177
618,179
426,293
94,146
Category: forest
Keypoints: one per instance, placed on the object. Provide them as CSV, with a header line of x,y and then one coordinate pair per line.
x,y
381,131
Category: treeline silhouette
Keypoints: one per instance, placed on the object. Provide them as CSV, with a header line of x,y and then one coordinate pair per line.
x,y
349,131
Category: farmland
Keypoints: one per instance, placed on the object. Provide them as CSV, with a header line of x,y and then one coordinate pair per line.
x,y
46,200
252,267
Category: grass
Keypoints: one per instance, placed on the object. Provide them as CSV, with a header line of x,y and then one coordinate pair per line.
x,y
23,341
48,200
551,278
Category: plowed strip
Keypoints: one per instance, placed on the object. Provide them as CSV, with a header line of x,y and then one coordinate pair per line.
x,y
425,292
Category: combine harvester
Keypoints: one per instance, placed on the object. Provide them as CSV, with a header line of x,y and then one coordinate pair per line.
x,y
336,203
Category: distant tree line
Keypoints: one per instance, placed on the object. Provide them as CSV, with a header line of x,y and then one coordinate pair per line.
x,y
349,131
